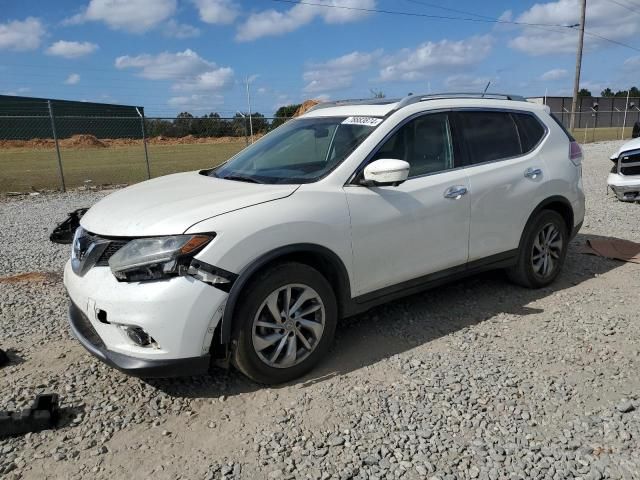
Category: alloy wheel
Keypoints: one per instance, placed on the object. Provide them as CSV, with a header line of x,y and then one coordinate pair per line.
x,y
288,325
547,250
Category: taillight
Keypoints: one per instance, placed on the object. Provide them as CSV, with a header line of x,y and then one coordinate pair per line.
x,y
575,153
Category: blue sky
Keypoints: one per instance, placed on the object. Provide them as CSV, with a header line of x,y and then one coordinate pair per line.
x,y
194,55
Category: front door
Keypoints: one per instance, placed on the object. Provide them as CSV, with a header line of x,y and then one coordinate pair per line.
x,y
419,227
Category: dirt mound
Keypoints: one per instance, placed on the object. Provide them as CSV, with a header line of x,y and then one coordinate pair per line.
x,y
90,141
82,141
33,143
305,107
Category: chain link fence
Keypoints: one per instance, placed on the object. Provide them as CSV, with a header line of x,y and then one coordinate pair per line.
x,y
70,151
47,151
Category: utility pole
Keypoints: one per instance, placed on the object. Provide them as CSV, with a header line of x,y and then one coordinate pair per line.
x,y
249,104
576,81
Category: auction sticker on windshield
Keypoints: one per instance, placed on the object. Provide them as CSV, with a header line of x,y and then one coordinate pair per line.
x,y
368,121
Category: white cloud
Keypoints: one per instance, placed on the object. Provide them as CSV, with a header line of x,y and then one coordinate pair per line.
x,y
554,74
218,12
188,70
435,57
632,63
65,49
506,16
21,35
180,30
72,79
18,92
464,82
166,65
337,73
274,22
135,16
213,80
603,18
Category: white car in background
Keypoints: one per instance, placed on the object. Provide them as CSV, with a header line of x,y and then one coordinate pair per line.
x,y
349,206
624,178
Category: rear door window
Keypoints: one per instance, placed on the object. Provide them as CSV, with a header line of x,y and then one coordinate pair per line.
x,y
489,135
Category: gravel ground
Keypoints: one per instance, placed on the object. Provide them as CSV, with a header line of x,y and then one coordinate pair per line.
x,y
478,379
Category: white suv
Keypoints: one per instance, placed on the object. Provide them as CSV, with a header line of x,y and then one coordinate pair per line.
x,y
349,206
624,178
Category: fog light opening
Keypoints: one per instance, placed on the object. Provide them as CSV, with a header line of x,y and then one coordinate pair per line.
x,y
138,336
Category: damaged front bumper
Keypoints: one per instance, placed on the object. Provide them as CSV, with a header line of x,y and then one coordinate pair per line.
x,y
150,329
626,188
138,367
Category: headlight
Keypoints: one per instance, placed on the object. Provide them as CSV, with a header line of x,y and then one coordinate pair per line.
x,y
155,258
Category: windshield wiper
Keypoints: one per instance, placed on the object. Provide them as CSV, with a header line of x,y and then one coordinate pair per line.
x,y
240,178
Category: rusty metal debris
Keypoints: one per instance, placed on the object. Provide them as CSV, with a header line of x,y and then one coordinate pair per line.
x,y
31,277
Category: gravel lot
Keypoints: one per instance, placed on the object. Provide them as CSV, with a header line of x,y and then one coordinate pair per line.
x,y
478,379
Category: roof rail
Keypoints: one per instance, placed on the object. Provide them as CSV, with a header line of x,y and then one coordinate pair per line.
x,y
411,99
357,101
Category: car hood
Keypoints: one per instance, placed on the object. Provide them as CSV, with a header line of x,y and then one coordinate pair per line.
x,y
170,205
632,145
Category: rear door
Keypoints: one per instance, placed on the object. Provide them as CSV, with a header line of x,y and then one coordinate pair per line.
x,y
506,171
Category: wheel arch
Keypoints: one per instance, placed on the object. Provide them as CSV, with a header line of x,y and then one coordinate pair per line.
x,y
556,203
327,262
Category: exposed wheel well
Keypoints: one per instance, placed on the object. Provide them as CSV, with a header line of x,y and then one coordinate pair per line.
x,y
319,261
315,256
564,210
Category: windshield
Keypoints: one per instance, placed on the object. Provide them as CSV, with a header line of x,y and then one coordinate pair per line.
x,y
300,151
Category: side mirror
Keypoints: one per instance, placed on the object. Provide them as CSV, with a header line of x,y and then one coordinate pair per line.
x,y
386,171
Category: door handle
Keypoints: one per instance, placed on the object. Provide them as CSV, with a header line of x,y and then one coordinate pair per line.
x,y
532,173
455,192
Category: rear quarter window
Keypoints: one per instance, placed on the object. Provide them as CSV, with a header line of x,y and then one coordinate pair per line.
x,y
564,129
530,129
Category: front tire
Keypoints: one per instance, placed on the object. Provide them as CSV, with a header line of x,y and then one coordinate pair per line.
x,y
286,322
542,251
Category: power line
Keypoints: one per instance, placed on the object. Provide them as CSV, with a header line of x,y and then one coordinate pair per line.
x,y
425,15
623,5
464,19
448,9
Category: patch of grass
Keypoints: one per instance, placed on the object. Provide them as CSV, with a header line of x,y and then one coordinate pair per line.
x,y
588,135
22,169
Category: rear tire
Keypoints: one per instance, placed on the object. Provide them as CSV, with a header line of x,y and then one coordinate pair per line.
x,y
542,252
285,322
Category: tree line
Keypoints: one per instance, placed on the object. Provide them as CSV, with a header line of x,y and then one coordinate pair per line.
x,y
214,125
633,92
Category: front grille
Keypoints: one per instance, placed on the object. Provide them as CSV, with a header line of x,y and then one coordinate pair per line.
x,y
111,249
84,327
630,170
629,163
630,158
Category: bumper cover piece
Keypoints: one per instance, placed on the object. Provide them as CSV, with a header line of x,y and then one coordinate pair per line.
x,y
626,188
63,233
138,367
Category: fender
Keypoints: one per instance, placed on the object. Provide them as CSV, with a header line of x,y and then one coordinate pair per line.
x,y
567,211
342,290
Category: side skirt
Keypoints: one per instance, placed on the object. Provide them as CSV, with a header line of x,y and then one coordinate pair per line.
x,y
364,302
